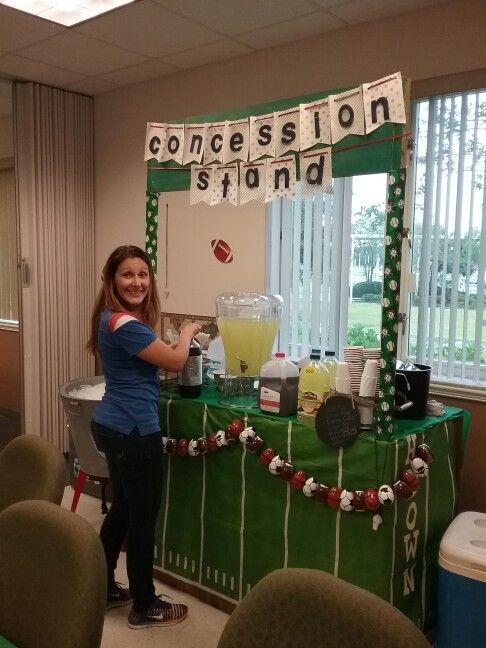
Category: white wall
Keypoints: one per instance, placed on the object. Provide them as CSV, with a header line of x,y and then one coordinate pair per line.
x,y
446,39
194,275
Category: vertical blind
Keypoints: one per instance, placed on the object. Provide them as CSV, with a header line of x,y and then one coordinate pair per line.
x,y
448,319
304,251
54,145
9,312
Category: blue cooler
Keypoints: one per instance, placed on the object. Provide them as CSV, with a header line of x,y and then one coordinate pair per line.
x,y
462,583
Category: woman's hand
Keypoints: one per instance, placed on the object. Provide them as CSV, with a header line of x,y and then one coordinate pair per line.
x,y
191,329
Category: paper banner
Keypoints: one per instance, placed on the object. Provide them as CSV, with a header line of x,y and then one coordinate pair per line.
x,y
252,181
236,141
224,186
201,184
315,124
154,141
383,102
174,143
262,139
347,114
287,131
194,135
213,146
316,172
280,178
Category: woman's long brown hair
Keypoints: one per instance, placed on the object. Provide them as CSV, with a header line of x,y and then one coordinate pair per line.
x,y
109,298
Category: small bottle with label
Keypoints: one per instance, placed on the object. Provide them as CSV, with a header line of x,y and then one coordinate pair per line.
x,y
189,378
279,380
314,385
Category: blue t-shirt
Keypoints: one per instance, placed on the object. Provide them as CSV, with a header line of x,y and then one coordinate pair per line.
x,y
132,385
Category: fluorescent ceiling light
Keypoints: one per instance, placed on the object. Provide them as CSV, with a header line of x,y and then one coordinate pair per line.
x,y
65,12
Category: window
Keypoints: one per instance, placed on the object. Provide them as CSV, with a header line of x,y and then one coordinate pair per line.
x,y
325,254
8,251
326,260
447,314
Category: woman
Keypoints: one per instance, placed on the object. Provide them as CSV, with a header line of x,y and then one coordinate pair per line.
x,y
126,426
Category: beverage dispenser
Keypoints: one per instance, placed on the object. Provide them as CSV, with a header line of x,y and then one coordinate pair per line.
x,y
248,323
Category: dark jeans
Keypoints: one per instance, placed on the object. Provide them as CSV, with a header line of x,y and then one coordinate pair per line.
x,y
135,465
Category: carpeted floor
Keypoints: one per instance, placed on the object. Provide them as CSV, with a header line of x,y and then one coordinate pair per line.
x,y
201,629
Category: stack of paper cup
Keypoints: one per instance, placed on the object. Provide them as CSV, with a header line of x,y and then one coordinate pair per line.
x,y
367,390
343,381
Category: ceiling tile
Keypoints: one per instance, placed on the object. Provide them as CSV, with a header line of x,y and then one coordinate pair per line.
x,y
292,30
24,69
223,49
361,11
18,29
235,16
148,29
140,72
81,54
91,86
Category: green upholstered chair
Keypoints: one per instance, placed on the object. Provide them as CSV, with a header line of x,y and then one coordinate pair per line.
x,y
31,468
52,578
307,608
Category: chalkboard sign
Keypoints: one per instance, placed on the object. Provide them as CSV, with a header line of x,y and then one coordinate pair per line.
x,y
337,422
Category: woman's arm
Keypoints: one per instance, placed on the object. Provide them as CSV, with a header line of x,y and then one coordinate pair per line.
x,y
170,357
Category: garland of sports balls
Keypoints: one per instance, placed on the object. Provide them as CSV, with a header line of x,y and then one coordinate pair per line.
x,y
347,500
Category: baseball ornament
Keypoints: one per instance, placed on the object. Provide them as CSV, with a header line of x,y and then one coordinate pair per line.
x,y
386,495
419,467
298,480
222,250
347,500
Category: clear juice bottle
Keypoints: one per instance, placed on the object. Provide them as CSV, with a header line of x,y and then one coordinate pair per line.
x,y
314,384
331,366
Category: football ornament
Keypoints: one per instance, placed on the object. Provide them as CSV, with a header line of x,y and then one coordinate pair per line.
x,y
222,251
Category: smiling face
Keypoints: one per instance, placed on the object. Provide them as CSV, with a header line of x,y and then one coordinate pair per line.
x,y
132,281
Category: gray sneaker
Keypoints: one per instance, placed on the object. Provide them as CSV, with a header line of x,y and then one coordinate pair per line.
x,y
160,613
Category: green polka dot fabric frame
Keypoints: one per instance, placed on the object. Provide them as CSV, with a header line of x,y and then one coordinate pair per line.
x,y
390,302
151,227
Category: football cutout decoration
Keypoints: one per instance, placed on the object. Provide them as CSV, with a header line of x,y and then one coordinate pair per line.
x,y
222,251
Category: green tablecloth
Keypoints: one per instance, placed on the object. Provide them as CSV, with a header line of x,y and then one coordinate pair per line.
x,y
5,643
225,521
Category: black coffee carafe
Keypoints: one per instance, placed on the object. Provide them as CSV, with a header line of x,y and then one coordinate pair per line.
x,y
412,384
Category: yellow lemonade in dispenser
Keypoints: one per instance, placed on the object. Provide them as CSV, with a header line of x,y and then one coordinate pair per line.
x,y
247,343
